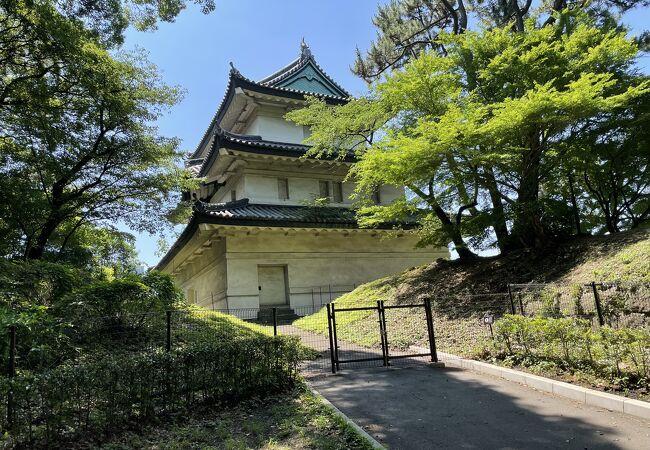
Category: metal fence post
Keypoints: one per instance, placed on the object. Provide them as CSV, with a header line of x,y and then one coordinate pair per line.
x,y
12,373
521,304
169,330
275,321
430,330
382,331
599,309
383,319
331,336
512,301
336,341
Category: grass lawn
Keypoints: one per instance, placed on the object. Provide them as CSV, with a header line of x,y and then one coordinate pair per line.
x,y
198,323
462,293
457,323
295,420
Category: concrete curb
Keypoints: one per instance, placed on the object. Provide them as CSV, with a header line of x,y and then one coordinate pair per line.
x,y
373,442
580,394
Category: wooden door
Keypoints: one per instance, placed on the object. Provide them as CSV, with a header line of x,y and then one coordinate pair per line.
x,y
272,285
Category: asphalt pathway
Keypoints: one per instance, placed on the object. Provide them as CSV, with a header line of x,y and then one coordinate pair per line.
x,y
429,408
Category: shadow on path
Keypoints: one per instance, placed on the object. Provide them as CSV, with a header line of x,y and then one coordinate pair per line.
x,y
424,408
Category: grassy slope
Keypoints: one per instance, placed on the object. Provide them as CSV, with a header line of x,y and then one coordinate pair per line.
x,y
624,257
220,325
294,420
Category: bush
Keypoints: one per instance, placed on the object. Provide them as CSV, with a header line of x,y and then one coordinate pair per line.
x,y
572,344
56,309
37,282
133,293
101,393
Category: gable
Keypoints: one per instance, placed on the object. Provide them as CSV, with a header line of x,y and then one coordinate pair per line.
x,y
310,79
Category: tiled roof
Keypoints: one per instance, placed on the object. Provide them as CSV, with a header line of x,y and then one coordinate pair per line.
x,y
268,85
257,141
306,57
254,144
243,211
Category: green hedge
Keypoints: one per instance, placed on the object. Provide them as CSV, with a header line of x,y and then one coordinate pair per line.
x,y
572,344
101,394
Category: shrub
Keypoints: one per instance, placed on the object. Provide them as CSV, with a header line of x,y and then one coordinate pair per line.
x,y
56,309
550,302
133,293
573,344
101,393
37,282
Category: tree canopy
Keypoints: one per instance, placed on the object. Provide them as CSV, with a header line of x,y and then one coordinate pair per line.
x,y
407,28
78,144
483,134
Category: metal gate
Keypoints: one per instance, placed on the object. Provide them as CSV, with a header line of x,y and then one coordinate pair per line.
x,y
384,335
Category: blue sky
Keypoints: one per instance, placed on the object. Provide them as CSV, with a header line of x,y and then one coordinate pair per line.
x,y
258,36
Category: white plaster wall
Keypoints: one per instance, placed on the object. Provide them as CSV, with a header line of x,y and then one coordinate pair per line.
x,y
388,194
207,277
276,128
329,258
264,189
223,194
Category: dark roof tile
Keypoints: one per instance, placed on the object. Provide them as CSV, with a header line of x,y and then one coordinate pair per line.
x,y
242,210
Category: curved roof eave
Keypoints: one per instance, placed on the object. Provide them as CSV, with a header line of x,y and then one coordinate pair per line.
x,y
236,79
254,144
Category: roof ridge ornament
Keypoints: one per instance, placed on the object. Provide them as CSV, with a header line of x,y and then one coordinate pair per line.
x,y
305,51
234,70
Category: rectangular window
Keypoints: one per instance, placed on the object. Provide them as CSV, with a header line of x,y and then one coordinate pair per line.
x,y
337,191
324,188
376,198
233,195
283,189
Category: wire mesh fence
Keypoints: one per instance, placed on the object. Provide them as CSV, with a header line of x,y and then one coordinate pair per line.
x,y
316,297
617,305
141,366
463,323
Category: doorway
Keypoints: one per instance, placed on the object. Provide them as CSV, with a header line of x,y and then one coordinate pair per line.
x,y
272,285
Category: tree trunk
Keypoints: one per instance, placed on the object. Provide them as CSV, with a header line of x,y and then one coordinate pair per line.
x,y
38,249
498,214
611,222
453,231
451,228
574,204
458,182
528,227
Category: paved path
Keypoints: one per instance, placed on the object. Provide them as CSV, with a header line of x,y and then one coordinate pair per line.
x,y
427,408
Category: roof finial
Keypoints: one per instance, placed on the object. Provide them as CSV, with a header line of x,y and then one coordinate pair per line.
x,y
234,70
305,51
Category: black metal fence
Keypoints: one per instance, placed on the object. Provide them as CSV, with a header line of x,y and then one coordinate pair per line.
x,y
373,334
101,354
345,352
613,304
463,323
